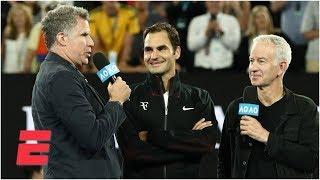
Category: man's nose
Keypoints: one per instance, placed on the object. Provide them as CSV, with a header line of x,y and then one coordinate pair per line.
x,y
154,54
90,42
252,66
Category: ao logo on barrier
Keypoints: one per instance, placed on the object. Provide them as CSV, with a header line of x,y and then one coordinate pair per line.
x,y
248,109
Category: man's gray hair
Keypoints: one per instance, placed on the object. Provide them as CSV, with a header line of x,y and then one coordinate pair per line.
x,y
61,19
282,50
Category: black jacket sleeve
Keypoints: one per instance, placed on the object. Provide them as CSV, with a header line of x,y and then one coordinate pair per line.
x,y
136,151
224,155
300,151
190,141
76,113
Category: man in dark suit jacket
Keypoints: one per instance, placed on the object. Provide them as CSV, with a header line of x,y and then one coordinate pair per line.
x,y
81,123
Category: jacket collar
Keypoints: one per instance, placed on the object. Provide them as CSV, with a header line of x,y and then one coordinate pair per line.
x,y
291,108
156,86
290,102
51,56
291,105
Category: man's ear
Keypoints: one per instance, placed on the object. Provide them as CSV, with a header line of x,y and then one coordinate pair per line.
x,y
177,52
62,39
283,66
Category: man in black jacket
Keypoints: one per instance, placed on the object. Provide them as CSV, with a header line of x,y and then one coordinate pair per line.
x,y
171,127
82,124
283,141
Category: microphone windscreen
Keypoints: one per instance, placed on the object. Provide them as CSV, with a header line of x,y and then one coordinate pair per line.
x,y
250,95
100,60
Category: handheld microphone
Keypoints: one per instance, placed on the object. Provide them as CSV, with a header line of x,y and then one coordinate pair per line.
x,y
106,70
249,107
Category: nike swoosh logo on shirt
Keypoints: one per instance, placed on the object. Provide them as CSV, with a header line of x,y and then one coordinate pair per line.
x,y
186,109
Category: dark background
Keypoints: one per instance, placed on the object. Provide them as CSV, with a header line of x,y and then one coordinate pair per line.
x,y
223,87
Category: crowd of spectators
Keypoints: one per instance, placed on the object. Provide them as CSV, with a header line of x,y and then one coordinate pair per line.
x,y
215,35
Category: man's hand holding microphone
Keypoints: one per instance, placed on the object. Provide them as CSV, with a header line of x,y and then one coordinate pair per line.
x,y
119,91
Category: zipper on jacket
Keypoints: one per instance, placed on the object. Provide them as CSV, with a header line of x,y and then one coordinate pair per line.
x,y
165,122
277,171
165,128
165,172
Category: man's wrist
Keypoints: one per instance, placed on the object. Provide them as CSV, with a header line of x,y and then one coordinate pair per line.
x,y
116,101
266,137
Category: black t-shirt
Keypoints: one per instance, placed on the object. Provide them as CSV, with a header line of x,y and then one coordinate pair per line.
x,y
260,165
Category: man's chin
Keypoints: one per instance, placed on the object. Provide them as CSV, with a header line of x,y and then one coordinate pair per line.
x,y
255,83
85,61
258,84
157,73
155,70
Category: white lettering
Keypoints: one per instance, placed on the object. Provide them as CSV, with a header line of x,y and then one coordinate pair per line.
x,y
101,76
105,73
29,119
250,110
29,122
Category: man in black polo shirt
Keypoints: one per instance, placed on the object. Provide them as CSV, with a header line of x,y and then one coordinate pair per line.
x,y
282,142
